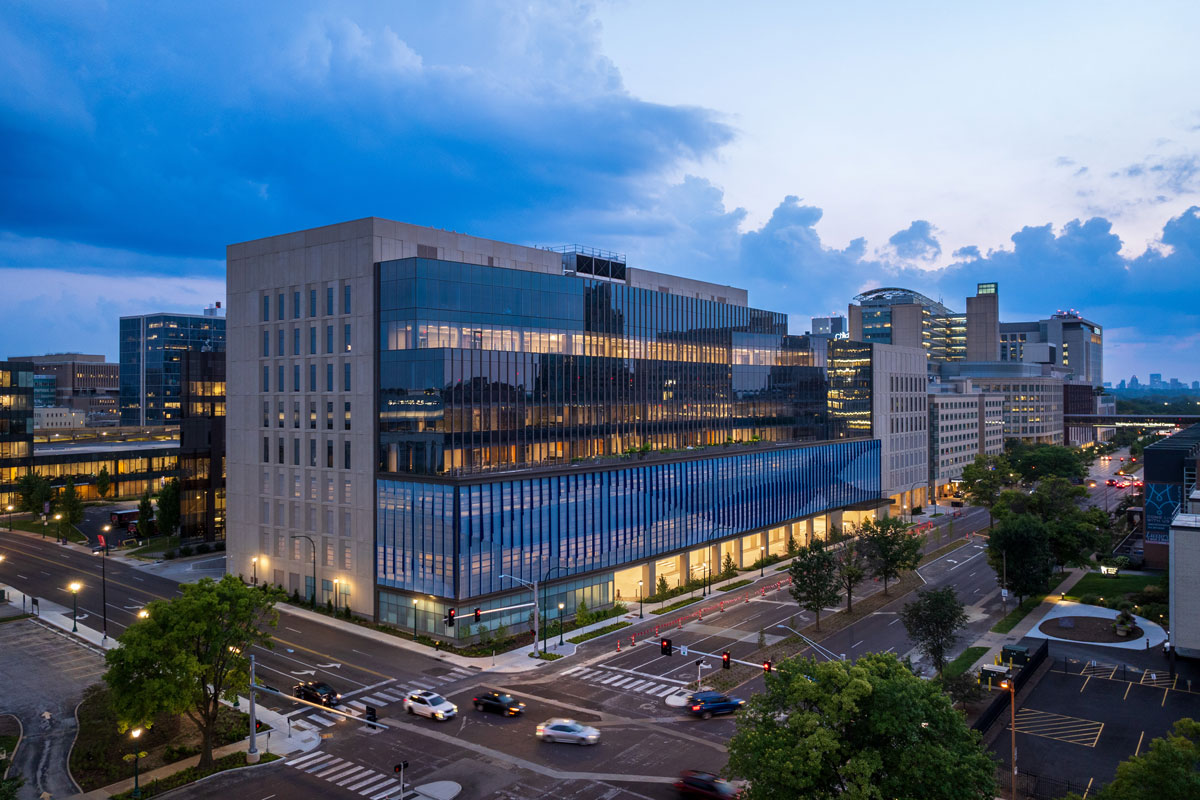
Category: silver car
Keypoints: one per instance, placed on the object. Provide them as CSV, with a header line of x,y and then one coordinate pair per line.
x,y
567,730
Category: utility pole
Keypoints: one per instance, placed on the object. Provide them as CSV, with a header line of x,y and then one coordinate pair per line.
x,y
1004,580
252,753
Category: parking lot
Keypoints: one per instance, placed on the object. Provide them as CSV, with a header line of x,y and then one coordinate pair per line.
x,y
1078,725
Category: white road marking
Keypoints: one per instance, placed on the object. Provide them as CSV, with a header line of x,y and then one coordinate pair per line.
x,y
358,704
389,697
371,700
321,772
346,777
384,793
293,630
317,718
609,680
307,757
314,766
666,692
893,622
360,783
636,684
343,774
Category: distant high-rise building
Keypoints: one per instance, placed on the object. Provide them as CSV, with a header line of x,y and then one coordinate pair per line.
x,y
983,323
1066,339
152,348
1133,382
1121,385
905,318
82,382
1156,381
16,424
1195,385
834,327
44,390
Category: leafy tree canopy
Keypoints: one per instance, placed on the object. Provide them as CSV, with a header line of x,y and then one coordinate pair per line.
x,y
933,621
1168,770
890,548
869,730
1023,541
190,652
814,578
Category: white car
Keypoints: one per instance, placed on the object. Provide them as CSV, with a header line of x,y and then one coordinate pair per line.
x,y
430,704
566,730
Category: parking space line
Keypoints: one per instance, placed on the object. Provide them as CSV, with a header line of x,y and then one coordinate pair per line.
x,y
1085,683
1127,688
1138,749
1047,725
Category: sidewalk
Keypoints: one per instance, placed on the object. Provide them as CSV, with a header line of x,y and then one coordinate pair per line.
x,y
995,641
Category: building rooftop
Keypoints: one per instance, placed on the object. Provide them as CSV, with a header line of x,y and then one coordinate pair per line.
x,y
103,447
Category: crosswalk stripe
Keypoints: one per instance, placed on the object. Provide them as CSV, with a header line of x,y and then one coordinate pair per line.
x,y
307,757
460,671
387,789
572,670
311,768
422,684
342,771
622,682
347,776
302,725
317,718
359,704
376,785
389,697
587,673
611,679
374,776
652,687
372,701
666,692
636,684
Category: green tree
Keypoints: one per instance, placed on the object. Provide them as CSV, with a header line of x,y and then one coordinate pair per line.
x,y
984,479
189,653
1019,548
661,588
9,787
851,569
145,517
103,482
728,568
1075,534
70,506
962,688
933,621
1168,770
856,731
34,491
1038,462
168,508
814,578
890,548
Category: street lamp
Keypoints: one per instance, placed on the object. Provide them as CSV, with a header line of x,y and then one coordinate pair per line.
x,y
61,538
104,583
1009,684
762,560
136,733
639,601
561,606
415,601
533,585
254,574
704,591
75,587
143,614
9,509
336,581
314,549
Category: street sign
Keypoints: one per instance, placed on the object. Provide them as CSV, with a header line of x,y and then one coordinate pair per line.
x,y
1004,593
683,649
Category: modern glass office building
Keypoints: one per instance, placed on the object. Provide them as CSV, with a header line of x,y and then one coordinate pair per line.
x,y
16,425
151,352
518,415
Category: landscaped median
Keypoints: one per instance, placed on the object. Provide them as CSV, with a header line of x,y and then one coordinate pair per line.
x,y
583,637
156,786
676,605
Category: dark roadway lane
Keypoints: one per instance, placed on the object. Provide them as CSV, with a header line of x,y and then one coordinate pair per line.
x,y
44,569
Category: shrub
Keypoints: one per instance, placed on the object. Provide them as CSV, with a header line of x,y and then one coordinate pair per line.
x,y
218,547
296,596
917,509
582,616
168,555
1090,600
186,551
173,753
203,548
1151,594
661,588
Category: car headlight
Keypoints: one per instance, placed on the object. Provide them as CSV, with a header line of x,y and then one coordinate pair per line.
x,y
438,714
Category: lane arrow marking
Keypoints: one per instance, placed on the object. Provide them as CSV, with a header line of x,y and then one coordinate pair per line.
x,y
305,672
326,666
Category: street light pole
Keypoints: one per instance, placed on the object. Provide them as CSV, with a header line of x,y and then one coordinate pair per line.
x,y
252,753
762,560
561,606
104,582
415,600
254,573
639,600
9,509
533,585
75,587
136,734
1012,705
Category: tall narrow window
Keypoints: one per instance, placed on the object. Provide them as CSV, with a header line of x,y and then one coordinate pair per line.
x,y
312,452
347,416
346,376
346,455
279,307
295,305
266,351
295,341
329,453
312,302
266,413
295,413
312,340
312,416
280,384
328,338
266,308
312,377
329,301
329,377
329,415
266,381
346,337
295,377
280,449
346,300
296,453
266,449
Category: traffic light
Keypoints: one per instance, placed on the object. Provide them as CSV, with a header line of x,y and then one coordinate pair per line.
x,y
399,768
725,659
666,647
478,614
450,618
766,666
371,716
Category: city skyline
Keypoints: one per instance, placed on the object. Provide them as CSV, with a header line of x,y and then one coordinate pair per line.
x,y
139,167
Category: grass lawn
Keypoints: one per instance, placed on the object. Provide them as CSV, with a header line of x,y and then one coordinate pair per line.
x,y
1017,614
961,664
679,604
49,529
1111,585
583,637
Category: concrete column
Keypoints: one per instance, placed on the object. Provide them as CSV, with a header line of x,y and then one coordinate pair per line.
x,y
835,519
809,532
739,551
684,568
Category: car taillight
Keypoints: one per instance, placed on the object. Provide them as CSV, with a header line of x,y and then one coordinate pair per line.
x,y
695,708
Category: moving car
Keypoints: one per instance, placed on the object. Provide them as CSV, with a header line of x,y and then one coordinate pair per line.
x,y
316,692
429,704
705,704
566,730
1110,482
693,783
499,703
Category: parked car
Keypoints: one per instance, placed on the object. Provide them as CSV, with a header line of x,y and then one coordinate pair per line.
x,y
706,704
499,703
429,704
316,692
693,783
566,730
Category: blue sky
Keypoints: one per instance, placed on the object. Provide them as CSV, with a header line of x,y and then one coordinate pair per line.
x,y
805,151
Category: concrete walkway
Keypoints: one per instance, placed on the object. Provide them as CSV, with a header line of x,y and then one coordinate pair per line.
x,y
1153,635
